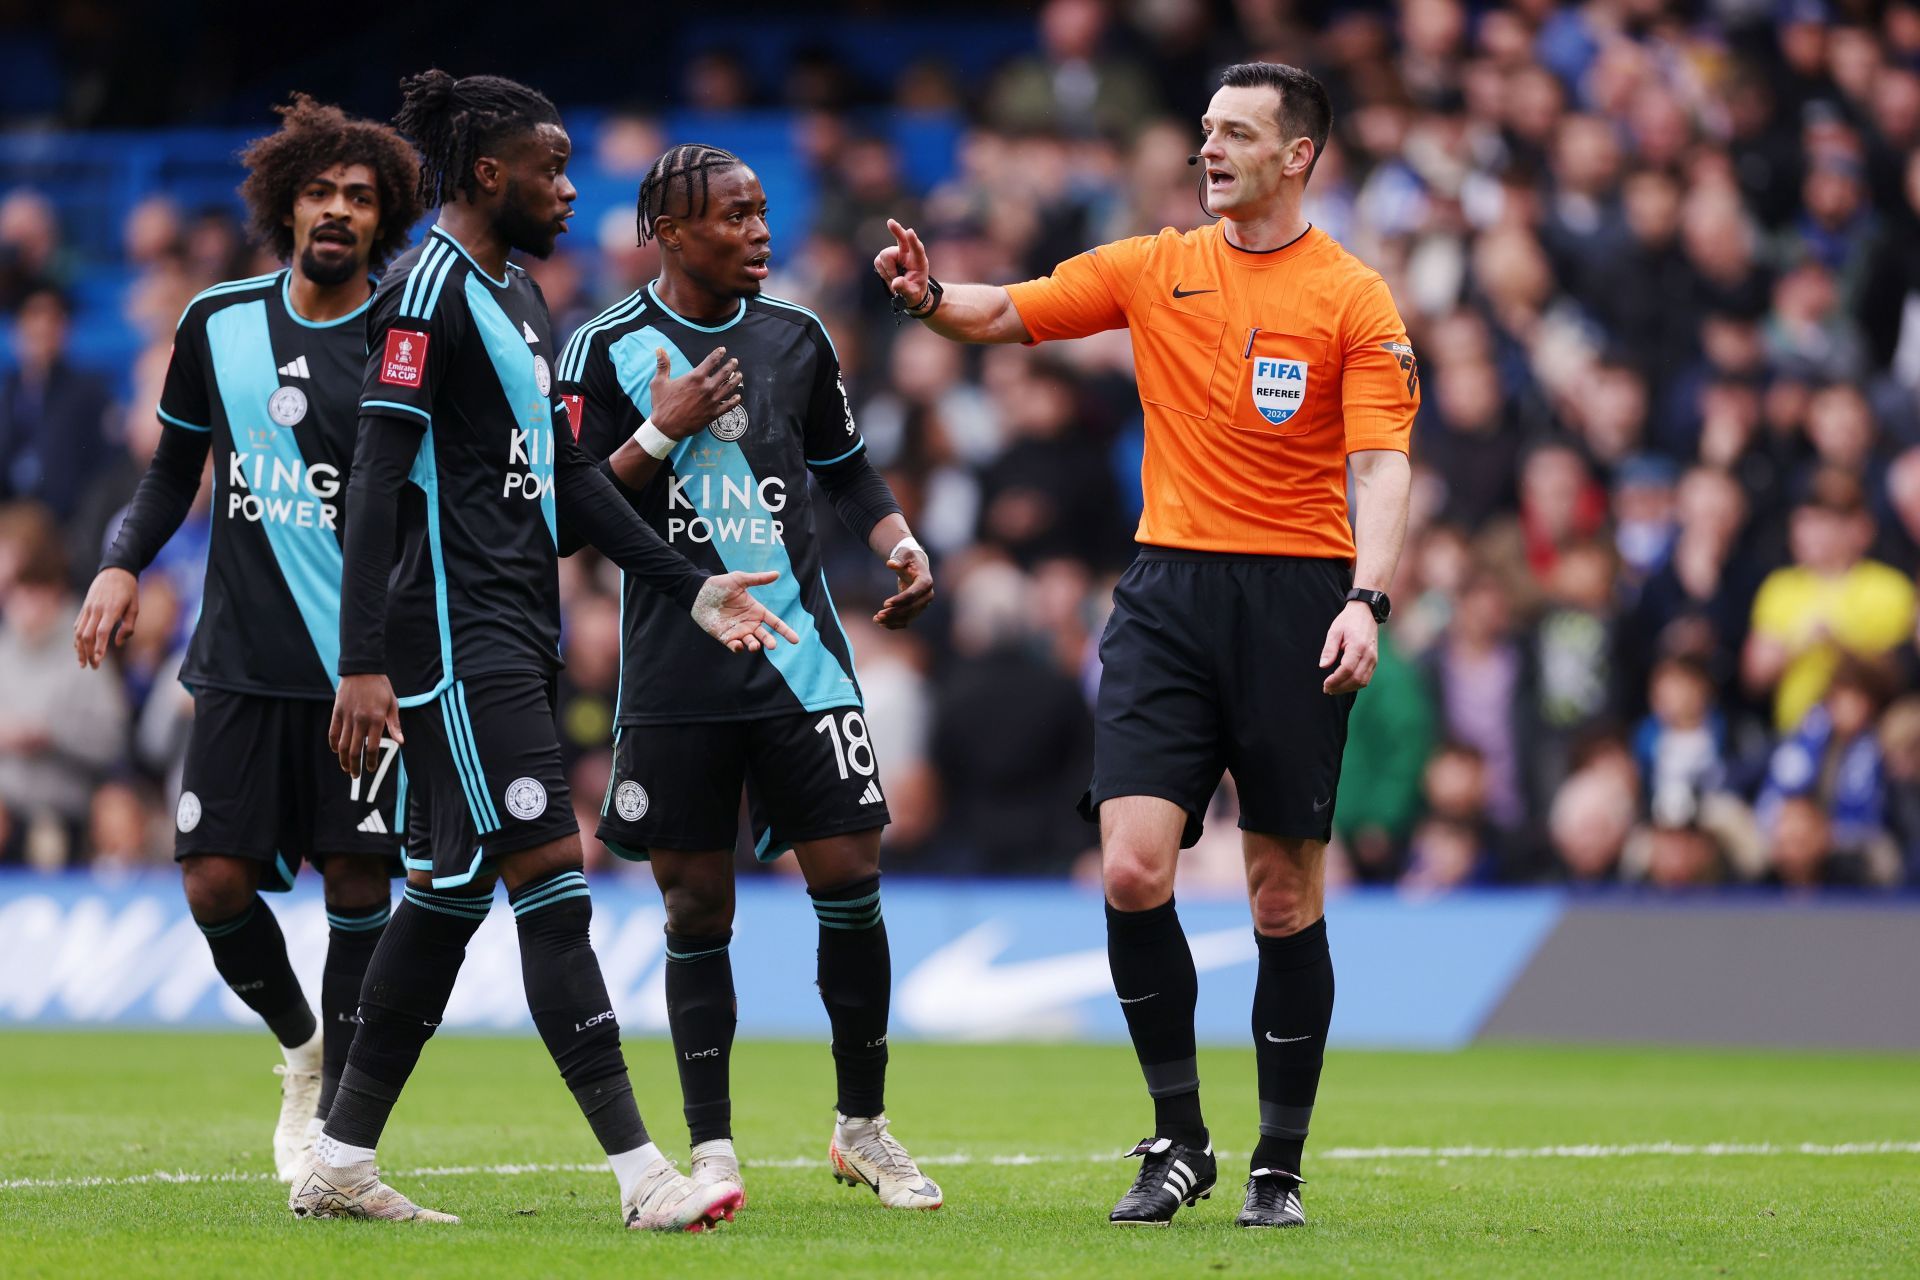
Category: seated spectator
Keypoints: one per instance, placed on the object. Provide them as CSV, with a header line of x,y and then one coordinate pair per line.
x,y
1445,855
1389,735
1681,745
1481,680
52,415
1590,819
1573,655
61,726
1900,760
1681,851
29,247
1833,761
1831,603
1012,737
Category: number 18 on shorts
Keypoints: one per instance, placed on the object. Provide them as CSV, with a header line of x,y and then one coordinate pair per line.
x,y
812,774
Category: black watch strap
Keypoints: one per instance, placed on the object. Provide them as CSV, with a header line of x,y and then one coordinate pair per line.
x,y
1376,601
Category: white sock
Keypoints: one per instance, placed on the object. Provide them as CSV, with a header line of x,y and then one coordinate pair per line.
x,y
630,1166
335,1154
304,1057
712,1147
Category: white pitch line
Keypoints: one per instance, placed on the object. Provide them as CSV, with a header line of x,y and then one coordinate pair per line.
x,y
1574,1152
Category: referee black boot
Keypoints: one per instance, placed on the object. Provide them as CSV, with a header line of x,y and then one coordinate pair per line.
x,y
1273,1200
1170,1175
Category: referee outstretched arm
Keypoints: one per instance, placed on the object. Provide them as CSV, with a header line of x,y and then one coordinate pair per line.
x,y
1273,369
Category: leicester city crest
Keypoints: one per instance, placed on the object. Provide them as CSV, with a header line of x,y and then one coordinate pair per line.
x,y
287,406
1279,387
730,425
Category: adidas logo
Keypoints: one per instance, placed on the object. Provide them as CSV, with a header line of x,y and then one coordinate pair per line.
x,y
527,329
295,368
872,794
374,824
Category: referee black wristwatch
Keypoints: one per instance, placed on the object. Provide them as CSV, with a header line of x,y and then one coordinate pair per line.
x,y
1376,601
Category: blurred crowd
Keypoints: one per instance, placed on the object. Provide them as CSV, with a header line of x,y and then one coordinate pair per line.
x,y
1655,622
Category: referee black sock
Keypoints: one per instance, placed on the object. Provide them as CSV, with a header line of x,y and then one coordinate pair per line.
x,y
856,983
250,953
1154,975
352,935
701,1012
402,1001
570,1007
1292,1008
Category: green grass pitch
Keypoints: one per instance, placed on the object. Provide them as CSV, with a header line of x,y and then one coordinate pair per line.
x,y
1381,1198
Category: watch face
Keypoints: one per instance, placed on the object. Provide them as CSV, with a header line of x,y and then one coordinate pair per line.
x,y
1382,607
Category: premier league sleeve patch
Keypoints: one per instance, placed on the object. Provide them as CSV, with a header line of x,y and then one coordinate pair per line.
x,y
1279,387
404,362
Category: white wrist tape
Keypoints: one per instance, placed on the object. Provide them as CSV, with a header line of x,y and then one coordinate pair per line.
x,y
909,542
654,440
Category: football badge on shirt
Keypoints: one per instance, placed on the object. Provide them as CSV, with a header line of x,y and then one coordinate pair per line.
x,y
730,425
1279,387
287,406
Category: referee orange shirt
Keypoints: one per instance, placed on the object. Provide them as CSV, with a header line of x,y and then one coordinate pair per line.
x,y
1258,372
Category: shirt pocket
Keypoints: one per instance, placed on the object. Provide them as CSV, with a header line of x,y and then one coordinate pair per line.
x,y
1285,381
1179,353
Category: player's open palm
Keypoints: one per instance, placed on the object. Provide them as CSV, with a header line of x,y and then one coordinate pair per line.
x,y
903,264
728,612
107,618
686,404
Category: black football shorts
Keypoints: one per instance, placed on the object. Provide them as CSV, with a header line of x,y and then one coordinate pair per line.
x,y
1211,663
260,782
806,775
484,757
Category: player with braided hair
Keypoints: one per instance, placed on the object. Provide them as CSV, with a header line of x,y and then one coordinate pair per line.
x,y
715,405
457,409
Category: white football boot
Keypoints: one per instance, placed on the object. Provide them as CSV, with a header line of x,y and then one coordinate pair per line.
x,y
714,1162
354,1192
299,1097
667,1200
863,1153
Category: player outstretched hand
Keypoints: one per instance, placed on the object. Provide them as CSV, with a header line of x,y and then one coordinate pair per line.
x,y
728,612
686,404
1354,639
915,571
903,264
364,710
107,617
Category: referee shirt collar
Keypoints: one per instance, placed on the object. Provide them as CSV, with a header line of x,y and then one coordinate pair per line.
x,y
1302,243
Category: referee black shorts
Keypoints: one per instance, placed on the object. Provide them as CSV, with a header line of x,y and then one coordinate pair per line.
x,y
1211,663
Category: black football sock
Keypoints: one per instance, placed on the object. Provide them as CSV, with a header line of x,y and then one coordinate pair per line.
x,y
250,952
352,935
1292,1009
409,981
1154,976
701,1012
570,1007
856,983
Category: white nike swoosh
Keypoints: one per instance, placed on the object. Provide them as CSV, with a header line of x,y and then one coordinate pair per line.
x,y
1138,999
1289,1040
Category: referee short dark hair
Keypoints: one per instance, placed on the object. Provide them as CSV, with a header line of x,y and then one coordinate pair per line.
x,y
1305,108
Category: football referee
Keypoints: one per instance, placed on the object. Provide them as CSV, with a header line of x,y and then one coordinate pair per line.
x,y
1270,363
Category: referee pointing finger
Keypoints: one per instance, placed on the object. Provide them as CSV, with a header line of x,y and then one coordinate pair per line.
x,y
1270,362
